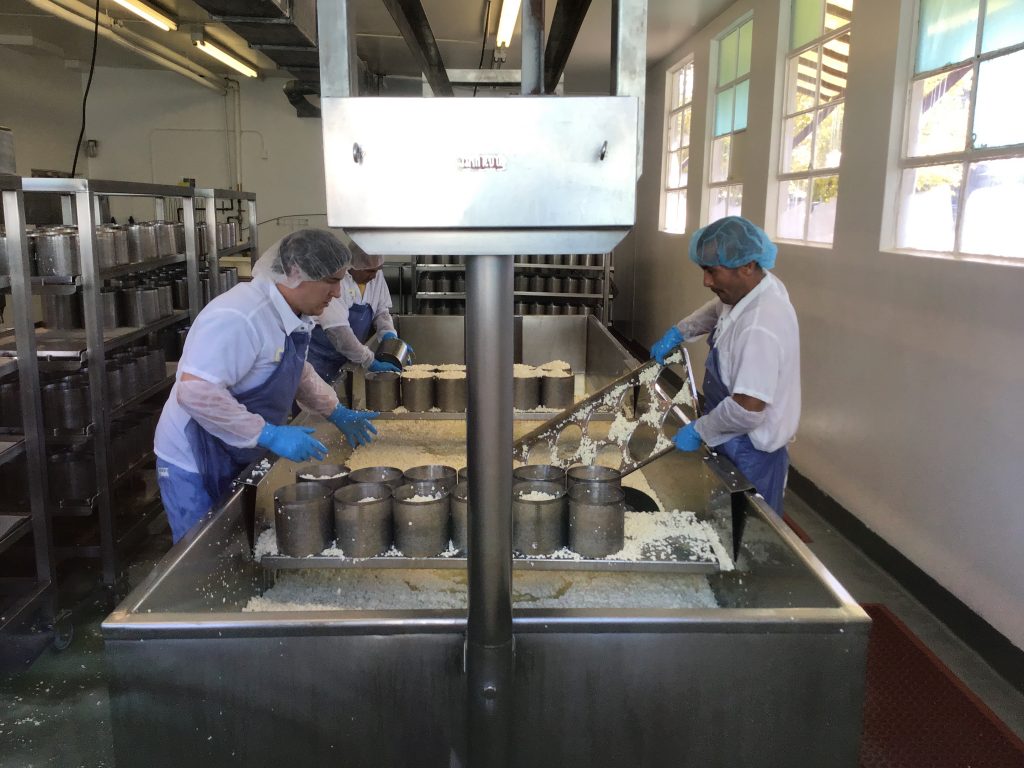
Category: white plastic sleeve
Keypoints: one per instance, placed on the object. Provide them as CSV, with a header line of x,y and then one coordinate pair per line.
x,y
702,321
345,341
315,394
727,420
216,411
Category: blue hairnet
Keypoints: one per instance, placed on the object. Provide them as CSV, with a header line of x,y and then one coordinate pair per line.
x,y
303,255
732,242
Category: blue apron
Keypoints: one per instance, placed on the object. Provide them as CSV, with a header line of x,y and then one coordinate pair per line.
x,y
324,358
766,471
218,462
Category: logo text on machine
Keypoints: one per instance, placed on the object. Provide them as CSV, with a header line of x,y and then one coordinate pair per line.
x,y
482,162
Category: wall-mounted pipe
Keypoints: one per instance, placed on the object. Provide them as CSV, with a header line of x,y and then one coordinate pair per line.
x,y
83,16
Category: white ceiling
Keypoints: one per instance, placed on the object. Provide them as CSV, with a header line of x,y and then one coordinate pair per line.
x,y
458,26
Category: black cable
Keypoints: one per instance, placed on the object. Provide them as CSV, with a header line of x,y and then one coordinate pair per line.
x,y
88,85
483,41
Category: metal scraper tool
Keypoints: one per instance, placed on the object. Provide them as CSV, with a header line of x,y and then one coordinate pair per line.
x,y
647,414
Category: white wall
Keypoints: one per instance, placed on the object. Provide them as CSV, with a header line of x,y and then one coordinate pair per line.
x,y
156,126
41,101
912,366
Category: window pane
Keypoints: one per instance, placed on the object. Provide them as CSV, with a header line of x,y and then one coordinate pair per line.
x,y
928,200
735,199
838,13
994,198
824,198
723,112
719,203
675,130
673,170
834,59
720,159
828,138
675,211
688,84
801,81
792,209
998,115
746,40
806,22
742,94
939,110
684,137
1004,24
796,150
675,90
683,161
727,57
946,33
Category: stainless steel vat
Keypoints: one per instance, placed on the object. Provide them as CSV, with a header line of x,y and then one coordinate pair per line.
x,y
363,519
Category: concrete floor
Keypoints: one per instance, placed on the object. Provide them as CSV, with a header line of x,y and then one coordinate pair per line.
x,y
57,712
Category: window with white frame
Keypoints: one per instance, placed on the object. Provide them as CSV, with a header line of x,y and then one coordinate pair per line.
x,y
812,119
962,171
732,92
677,147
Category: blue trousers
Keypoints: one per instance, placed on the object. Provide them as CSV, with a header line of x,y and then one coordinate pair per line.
x,y
184,496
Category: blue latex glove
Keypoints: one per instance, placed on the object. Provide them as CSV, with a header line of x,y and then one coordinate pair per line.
x,y
295,443
354,425
379,366
393,335
687,439
672,338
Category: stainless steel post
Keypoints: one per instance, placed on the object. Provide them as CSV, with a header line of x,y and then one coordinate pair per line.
x,y
212,254
629,61
533,47
195,296
489,644
92,313
254,232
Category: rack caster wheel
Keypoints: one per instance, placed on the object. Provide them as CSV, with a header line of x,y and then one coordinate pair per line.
x,y
63,631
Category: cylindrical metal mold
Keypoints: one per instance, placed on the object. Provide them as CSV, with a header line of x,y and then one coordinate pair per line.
x,y
132,379
131,306
7,161
535,258
165,299
522,282
525,392
109,307
550,258
141,242
587,285
451,391
332,476
421,514
180,295
553,284
553,309
464,475
382,391
164,238
362,519
458,308
115,382
597,519
303,518
106,251
394,351
156,360
521,308
593,474
179,238
571,285
577,259
150,302
10,405
537,283
459,283
595,259
427,284
536,308
57,251
65,405
443,284
418,393
572,309
539,473
433,473
538,518
62,312
391,476
556,391
71,475
201,238
460,516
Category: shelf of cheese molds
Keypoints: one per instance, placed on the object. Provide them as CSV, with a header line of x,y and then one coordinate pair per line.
x,y
527,294
223,253
11,447
8,365
519,265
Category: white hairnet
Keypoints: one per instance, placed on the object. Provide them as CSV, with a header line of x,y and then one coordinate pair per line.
x,y
362,260
301,256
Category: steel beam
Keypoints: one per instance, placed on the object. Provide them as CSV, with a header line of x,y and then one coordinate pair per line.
x,y
565,26
412,23
533,47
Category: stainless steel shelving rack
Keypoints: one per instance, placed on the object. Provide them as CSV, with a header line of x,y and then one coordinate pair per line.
x,y
602,271
27,603
206,201
117,532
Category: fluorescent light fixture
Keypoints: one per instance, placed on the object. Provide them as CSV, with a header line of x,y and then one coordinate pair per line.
x,y
225,58
507,22
149,13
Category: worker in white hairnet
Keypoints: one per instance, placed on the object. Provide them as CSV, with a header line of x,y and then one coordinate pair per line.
x,y
752,374
242,367
350,321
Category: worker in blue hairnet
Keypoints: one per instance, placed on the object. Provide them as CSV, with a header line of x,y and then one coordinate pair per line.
x,y
752,375
242,367
352,320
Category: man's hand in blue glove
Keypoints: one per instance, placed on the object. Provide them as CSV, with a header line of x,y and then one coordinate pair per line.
x,y
672,338
393,335
354,425
687,439
295,443
379,366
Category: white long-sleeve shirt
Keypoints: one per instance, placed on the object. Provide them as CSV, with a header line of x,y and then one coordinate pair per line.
x,y
236,343
758,343
377,296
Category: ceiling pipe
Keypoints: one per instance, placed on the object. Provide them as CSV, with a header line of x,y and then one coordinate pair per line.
x,y
82,16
